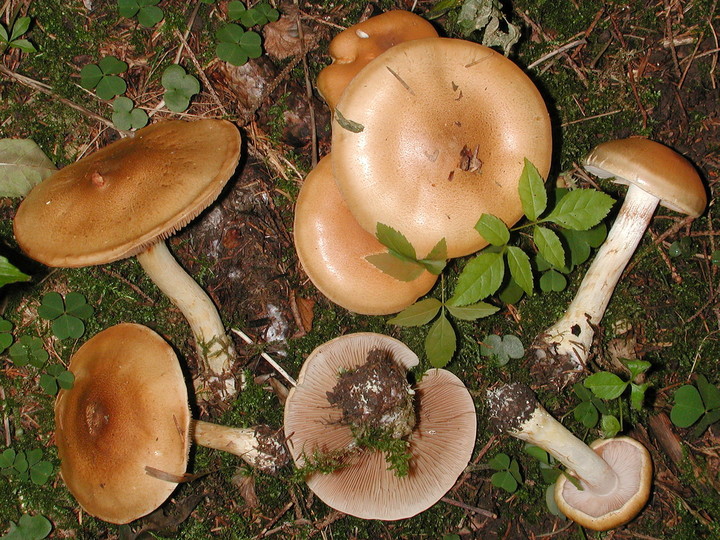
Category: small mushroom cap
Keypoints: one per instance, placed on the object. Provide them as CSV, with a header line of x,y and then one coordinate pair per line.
x,y
632,463
441,443
655,168
127,411
355,46
118,201
433,133
332,247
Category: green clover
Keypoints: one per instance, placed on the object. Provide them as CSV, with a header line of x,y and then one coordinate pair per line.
x,y
29,350
147,12
103,77
126,116
6,337
26,465
502,348
236,45
259,14
66,314
29,528
180,87
56,377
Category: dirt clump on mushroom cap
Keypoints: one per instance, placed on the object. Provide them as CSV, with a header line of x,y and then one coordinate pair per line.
x,y
375,398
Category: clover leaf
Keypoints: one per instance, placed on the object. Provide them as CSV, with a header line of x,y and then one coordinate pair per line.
x,y
259,14
29,350
56,377
66,314
103,77
502,348
237,45
6,337
508,475
26,465
180,87
147,12
29,528
126,116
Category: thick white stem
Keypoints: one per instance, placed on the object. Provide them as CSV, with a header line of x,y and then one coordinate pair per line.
x,y
580,460
572,335
241,442
214,347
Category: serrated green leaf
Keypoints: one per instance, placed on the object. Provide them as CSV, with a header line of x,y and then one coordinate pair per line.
x,y
493,229
395,241
480,278
605,385
23,165
688,407
436,260
549,246
9,273
581,209
440,342
532,191
472,312
421,312
520,268
400,269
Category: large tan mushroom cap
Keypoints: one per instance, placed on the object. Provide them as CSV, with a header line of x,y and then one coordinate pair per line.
x,y
127,411
441,443
119,200
355,46
332,247
445,127
631,461
653,167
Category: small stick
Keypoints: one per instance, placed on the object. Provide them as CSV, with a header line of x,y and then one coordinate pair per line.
x,y
266,356
557,51
475,509
6,420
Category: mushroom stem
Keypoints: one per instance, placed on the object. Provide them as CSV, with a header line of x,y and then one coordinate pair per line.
x,y
258,447
515,411
562,350
215,349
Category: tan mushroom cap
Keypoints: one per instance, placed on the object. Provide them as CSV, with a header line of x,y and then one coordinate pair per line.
x,y
632,463
355,46
332,247
446,125
655,168
119,200
441,443
123,414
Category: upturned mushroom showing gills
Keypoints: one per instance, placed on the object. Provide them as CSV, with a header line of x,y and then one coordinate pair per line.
x,y
613,476
332,249
655,174
126,199
354,388
433,133
123,432
357,45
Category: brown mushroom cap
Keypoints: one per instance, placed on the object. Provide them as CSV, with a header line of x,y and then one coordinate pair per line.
x,y
332,247
632,463
654,168
123,414
116,202
433,133
355,46
441,443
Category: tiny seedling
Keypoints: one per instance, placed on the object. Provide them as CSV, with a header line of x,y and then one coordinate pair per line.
x,y
6,337
237,45
26,465
12,39
180,87
28,350
29,527
146,11
66,314
682,248
502,348
125,116
696,404
508,475
103,77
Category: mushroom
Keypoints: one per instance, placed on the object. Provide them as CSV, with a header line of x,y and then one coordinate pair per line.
x,y
123,431
332,249
655,174
357,45
433,133
440,442
126,199
613,475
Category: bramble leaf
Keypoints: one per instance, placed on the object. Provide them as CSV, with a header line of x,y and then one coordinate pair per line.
x,y
581,209
493,229
533,195
549,246
395,241
400,269
440,342
480,278
472,312
421,312
520,268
